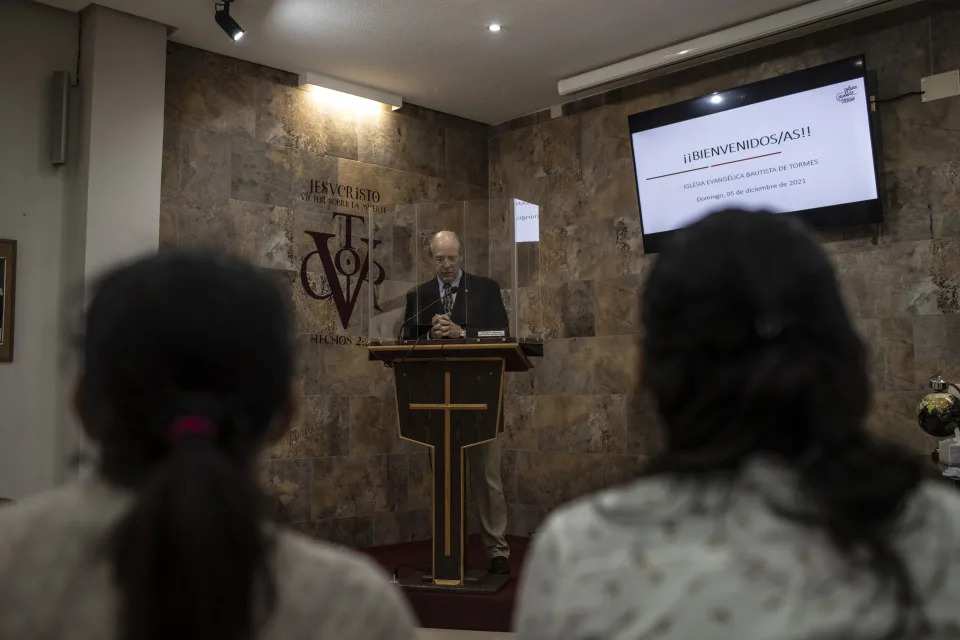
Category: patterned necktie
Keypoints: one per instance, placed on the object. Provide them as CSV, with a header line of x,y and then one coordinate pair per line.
x,y
447,299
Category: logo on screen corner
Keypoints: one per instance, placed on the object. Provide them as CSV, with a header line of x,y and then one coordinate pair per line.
x,y
848,95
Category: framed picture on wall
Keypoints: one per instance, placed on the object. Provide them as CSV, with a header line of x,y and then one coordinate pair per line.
x,y
8,282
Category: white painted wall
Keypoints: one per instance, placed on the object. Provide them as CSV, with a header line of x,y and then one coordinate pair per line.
x,y
75,222
35,41
122,77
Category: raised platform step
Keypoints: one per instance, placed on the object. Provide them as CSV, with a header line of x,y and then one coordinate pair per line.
x,y
448,610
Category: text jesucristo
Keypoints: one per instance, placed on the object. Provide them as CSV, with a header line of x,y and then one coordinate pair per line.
x,y
343,196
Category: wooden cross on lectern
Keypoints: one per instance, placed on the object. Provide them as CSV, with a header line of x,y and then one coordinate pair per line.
x,y
449,404
447,407
449,399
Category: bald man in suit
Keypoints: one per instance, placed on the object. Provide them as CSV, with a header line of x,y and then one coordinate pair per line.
x,y
455,305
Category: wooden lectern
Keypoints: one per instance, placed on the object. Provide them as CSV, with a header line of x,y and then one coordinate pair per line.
x,y
449,397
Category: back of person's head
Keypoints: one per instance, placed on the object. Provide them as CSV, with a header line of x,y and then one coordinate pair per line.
x,y
186,375
748,350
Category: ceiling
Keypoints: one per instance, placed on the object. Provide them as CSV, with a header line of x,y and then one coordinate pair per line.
x,y
438,53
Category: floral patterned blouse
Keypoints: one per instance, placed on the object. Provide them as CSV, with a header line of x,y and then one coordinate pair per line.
x,y
667,558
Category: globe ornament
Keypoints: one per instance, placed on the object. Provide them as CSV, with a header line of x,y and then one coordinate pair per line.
x,y
939,414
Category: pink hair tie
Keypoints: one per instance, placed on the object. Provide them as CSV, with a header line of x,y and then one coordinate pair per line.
x,y
192,426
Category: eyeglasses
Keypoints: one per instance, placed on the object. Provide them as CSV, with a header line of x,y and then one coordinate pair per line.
x,y
439,260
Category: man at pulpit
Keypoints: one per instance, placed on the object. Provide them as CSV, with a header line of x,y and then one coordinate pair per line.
x,y
457,305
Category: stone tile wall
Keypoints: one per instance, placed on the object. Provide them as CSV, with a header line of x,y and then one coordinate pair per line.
x,y
242,143
578,424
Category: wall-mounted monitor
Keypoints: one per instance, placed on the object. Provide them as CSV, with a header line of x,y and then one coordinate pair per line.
x,y
800,144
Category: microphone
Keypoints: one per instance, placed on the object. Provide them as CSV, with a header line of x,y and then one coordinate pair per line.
x,y
416,315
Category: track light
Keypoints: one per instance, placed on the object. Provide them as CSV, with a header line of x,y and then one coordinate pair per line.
x,y
227,23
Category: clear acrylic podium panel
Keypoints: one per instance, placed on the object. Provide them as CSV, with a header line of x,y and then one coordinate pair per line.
x,y
499,240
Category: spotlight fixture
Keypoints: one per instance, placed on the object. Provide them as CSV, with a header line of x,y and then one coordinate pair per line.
x,y
226,22
494,27
716,99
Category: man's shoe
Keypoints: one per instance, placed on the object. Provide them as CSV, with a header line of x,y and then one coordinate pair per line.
x,y
499,566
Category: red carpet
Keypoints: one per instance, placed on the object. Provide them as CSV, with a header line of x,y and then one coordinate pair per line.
x,y
452,611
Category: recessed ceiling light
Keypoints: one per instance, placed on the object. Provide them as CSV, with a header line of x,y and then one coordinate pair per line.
x,y
494,27
715,99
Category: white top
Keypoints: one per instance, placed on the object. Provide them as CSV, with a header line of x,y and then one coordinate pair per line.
x,y
663,558
55,582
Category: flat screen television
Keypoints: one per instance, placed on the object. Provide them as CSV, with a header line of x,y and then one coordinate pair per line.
x,y
801,144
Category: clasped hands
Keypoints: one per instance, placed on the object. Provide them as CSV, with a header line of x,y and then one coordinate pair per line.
x,y
444,327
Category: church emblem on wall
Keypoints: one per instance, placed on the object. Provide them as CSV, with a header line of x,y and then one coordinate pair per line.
x,y
346,265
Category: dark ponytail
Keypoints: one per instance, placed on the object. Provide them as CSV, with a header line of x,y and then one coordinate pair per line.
x,y
188,362
748,349
191,557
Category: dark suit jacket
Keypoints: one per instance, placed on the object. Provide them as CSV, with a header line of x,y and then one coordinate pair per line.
x,y
477,307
